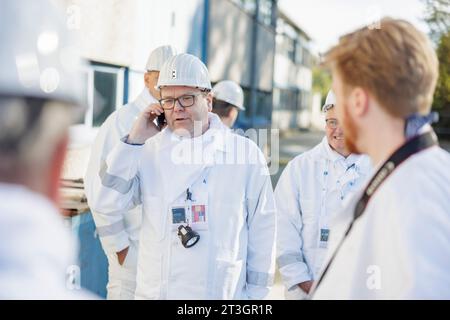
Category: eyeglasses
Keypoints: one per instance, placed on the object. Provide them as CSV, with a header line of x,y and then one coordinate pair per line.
x,y
332,123
186,101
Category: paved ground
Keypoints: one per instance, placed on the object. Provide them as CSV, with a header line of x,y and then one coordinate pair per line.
x,y
292,143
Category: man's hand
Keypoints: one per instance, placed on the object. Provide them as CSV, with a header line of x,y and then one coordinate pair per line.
x,y
144,128
121,255
306,286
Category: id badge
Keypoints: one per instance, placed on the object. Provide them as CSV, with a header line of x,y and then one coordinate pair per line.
x,y
178,215
199,220
324,235
196,215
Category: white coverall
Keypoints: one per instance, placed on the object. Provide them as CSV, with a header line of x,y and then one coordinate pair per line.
x,y
37,251
310,190
120,230
235,256
400,247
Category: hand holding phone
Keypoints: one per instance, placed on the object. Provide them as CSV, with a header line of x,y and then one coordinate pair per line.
x,y
145,127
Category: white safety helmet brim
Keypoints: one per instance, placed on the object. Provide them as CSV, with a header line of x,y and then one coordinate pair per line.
x,y
330,101
230,92
158,57
184,70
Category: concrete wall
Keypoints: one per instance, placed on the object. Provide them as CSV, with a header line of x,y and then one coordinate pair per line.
x,y
229,43
229,52
317,116
265,52
288,74
292,76
124,32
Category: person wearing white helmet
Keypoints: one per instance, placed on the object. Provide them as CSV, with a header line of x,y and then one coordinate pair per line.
x,y
120,232
228,100
40,96
198,240
311,189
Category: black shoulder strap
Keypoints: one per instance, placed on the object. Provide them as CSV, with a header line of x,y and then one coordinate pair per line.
x,y
411,147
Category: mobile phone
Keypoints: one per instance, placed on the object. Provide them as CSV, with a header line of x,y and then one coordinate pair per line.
x,y
161,121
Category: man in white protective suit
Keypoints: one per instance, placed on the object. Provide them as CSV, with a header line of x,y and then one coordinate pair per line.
x,y
311,189
119,234
198,240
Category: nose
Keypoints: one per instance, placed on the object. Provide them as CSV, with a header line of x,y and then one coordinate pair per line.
x,y
339,130
177,107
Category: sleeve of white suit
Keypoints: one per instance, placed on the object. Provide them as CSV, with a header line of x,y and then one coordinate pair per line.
x,y
115,191
290,257
262,232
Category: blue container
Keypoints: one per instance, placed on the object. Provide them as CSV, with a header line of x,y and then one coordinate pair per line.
x,y
91,257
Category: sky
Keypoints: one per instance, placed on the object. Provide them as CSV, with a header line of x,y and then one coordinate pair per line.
x,y
326,20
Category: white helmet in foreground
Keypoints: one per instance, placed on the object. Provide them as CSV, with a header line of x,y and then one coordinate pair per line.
x,y
158,57
37,58
184,70
230,92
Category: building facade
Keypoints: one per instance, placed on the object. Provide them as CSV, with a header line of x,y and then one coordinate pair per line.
x,y
292,93
235,39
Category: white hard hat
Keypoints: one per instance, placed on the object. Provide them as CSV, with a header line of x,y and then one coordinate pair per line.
x,y
230,92
184,70
330,101
36,57
158,57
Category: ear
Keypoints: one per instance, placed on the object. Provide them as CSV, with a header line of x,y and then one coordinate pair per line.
x,y
209,100
147,80
359,99
57,162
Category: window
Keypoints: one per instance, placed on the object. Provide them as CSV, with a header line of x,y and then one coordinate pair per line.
x,y
299,53
266,8
248,6
105,92
304,102
263,104
285,99
286,47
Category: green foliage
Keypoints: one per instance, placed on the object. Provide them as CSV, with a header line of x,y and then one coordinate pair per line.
x,y
442,93
321,82
437,16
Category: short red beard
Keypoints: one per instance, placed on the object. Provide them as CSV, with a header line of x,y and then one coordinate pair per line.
x,y
350,132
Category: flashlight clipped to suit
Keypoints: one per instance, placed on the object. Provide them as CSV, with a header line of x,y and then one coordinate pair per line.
x,y
188,236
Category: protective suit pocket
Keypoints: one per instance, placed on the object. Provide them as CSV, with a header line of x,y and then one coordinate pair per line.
x,y
155,213
130,261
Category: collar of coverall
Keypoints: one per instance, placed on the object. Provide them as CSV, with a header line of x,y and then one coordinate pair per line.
x,y
217,134
144,99
334,156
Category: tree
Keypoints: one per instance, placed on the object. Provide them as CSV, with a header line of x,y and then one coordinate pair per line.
x,y
441,102
321,82
437,16
442,93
